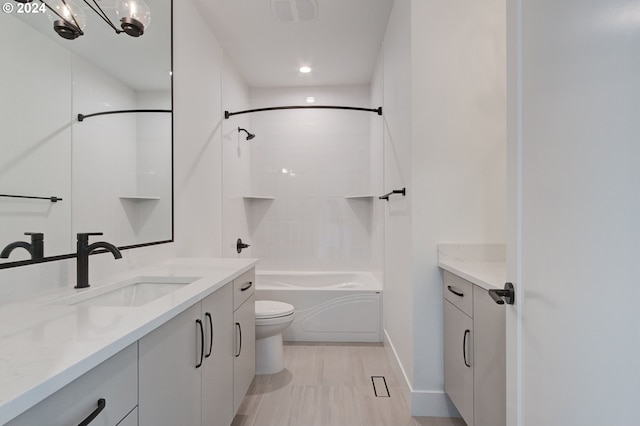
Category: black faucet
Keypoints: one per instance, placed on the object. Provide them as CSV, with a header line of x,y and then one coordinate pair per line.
x,y
84,250
35,249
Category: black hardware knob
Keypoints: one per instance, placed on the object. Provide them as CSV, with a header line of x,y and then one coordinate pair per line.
x,y
240,245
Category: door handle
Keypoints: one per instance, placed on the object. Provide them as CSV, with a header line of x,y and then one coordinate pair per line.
x,y
509,295
239,340
208,315
199,322
464,346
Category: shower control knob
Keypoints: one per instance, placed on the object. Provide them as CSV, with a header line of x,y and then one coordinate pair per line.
x,y
240,245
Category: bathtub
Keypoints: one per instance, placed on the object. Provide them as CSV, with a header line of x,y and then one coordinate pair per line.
x,y
329,306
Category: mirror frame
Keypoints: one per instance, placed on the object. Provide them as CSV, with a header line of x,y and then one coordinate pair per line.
x,y
55,258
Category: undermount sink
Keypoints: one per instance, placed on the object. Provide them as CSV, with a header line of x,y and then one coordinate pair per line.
x,y
136,291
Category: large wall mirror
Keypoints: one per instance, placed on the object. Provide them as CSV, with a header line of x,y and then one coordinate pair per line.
x,y
108,173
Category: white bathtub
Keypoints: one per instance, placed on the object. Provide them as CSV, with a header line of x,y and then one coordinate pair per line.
x,y
330,306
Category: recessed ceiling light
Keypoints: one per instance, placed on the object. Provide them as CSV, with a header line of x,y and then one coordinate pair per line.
x,y
305,70
311,99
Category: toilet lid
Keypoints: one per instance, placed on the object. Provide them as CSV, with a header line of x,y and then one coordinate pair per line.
x,y
272,309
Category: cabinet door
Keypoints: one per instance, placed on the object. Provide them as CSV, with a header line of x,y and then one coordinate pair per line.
x,y
458,360
489,355
131,419
217,370
244,366
170,383
114,381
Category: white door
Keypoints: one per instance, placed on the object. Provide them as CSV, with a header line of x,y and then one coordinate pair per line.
x,y
573,347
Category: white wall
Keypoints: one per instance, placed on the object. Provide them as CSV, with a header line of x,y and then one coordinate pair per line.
x,y
376,172
198,117
309,160
398,290
236,165
444,86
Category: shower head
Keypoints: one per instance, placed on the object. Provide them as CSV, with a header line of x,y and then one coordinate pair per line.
x,y
249,135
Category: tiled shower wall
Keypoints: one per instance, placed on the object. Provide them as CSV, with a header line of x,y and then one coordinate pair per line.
x,y
310,162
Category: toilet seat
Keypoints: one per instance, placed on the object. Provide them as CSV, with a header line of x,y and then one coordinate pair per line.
x,y
266,309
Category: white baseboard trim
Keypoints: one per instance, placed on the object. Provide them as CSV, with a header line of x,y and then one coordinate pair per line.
x,y
421,403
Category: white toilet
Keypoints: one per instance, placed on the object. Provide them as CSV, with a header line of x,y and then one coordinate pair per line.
x,y
272,318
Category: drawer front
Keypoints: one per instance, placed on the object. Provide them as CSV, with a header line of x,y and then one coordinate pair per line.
x,y
243,287
115,381
459,292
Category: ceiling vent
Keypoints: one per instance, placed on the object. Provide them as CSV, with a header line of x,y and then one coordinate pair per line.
x,y
294,10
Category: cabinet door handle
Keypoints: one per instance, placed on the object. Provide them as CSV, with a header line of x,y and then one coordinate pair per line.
x,y
101,404
464,347
246,286
201,342
208,315
239,328
455,290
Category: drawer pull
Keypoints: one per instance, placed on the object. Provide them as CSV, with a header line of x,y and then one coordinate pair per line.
x,y
101,404
201,343
464,347
455,290
246,286
208,315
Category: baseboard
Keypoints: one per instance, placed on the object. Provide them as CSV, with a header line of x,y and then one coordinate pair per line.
x,y
421,403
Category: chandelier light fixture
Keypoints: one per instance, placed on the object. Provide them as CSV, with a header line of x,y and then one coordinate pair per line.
x,y
69,20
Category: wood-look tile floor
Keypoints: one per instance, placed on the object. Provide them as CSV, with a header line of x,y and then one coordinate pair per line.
x,y
327,384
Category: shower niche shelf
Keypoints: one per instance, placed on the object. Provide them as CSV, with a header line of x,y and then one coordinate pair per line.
x,y
355,197
258,197
139,197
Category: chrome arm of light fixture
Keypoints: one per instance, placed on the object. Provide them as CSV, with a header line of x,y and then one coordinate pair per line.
x,y
98,10
134,17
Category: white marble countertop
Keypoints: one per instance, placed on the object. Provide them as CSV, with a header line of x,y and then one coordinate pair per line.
x,y
44,347
484,273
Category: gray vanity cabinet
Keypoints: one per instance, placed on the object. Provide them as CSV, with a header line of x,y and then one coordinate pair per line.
x,y
458,347
186,366
115,381
244,366
474,352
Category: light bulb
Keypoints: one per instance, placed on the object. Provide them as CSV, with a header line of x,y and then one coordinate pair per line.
x,y
134,15
68,19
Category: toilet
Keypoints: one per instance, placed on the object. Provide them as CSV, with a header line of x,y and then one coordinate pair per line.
x,y
272,318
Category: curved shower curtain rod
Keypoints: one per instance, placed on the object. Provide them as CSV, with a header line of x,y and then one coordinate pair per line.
x,y
378,110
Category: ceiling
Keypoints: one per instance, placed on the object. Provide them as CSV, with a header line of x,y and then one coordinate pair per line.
x,y
340,43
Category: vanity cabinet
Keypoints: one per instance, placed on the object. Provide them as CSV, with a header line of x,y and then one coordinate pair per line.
x,y
186,366
474,352
244,366
458,346
115,381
